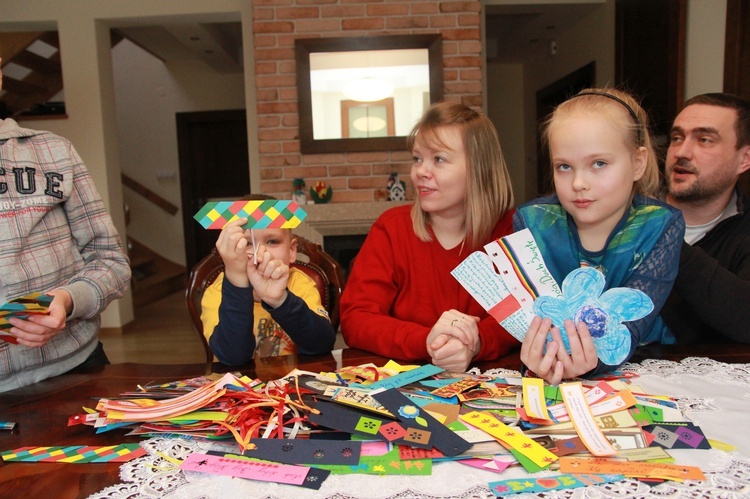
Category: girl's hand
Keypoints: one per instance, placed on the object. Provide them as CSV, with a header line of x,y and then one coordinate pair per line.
x,y
269,278
232,247
582,357
543,361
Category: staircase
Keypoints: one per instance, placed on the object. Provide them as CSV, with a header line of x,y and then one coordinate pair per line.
x,y
36,74
154,277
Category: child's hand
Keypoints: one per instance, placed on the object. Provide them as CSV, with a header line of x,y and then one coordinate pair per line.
x,y
268,278
232,247
556,364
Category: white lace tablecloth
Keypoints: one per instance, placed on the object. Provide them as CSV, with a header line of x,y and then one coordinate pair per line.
x,y
714,395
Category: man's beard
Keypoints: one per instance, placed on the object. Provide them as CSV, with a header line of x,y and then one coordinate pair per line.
x,y
697,190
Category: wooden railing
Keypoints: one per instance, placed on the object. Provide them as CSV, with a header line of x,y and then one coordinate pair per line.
x,y
149,194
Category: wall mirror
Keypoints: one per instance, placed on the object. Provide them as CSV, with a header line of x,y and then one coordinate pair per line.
x,y
365,93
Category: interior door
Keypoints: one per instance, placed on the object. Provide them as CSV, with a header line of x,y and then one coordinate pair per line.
x,y
214,165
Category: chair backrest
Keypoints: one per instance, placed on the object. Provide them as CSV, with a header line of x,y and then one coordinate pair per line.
x,y
311,259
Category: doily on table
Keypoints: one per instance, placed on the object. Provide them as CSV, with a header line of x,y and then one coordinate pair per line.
x,y
719,372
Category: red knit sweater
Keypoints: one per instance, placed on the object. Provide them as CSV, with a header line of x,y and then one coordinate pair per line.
x,y
400,286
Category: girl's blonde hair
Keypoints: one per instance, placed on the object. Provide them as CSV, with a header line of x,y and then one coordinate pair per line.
x,y
626,114
488,189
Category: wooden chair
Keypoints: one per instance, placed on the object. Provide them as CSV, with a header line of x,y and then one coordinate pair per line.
x,y
311,259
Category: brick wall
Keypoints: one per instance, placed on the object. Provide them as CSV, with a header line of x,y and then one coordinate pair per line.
x,y
362,176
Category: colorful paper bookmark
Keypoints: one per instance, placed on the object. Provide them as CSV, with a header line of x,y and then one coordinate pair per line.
x,y
264,214
581,417
421,426
515,439
238,466
609,466
21,308
299,451
532,485
76,454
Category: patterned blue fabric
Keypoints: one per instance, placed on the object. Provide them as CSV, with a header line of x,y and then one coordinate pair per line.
x,y
642,252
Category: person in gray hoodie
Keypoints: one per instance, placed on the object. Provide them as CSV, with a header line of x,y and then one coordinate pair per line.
x,y
56,237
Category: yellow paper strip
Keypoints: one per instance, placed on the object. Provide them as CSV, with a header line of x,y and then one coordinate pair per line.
x,y
533,398
510,436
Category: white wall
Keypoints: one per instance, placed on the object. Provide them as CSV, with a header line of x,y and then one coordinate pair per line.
x,y
704,51
83,27
148,93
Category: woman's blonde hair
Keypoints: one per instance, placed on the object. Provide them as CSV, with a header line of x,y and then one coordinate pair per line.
x,y
488,189
626,114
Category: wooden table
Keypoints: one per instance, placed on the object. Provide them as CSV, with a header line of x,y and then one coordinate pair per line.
x,y
41,411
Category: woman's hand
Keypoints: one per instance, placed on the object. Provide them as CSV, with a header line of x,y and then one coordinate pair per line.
x,y
461,326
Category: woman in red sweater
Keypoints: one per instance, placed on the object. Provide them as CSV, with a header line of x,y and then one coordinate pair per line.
x,y
400,300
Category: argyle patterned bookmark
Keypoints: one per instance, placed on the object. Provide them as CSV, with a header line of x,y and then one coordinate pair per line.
x,y
76,454
264,214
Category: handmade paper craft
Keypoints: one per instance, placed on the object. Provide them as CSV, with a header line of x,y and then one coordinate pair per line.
x,y
581,417
523,287
511,437
533,398
237,466
603,313
298,451
387,464
504,488
76,454
264,214
406,377
676,436
342,418
21,308
421,427
608,466
455,388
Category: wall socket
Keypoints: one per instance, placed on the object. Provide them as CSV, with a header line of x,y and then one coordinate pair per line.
x,y
552,47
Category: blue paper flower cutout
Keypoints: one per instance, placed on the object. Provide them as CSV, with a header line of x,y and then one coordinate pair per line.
x,y
604,313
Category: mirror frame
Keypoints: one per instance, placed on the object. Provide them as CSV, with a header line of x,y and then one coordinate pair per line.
x,y
305,46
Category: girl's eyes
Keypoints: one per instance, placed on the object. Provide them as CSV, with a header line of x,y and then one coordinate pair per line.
x,y
599,164
562,167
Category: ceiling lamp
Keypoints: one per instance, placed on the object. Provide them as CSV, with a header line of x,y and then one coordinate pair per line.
x,y
368,89
369,124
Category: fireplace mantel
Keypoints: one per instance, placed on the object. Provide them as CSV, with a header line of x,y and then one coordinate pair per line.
x,y
340,219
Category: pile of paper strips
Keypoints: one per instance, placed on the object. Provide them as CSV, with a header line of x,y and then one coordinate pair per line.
x,y
405,419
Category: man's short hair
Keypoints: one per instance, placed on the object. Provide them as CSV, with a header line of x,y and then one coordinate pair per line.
x,y
741,106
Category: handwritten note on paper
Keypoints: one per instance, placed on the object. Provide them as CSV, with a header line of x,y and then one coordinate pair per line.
x,y
477,275
521,249
583,420
607,466
533,398
253,470
508,294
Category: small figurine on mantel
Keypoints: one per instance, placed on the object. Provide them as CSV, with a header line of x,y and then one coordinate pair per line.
x,y
396,188
321,193
298,191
